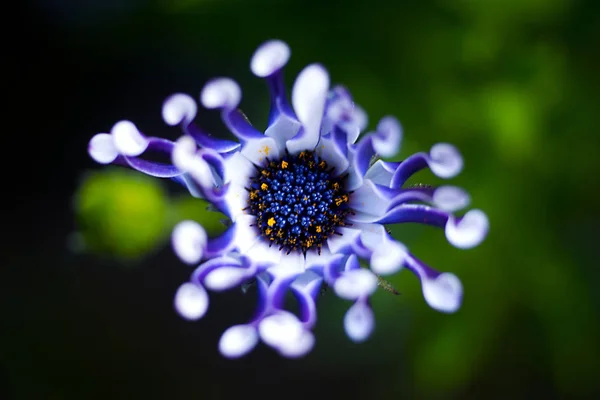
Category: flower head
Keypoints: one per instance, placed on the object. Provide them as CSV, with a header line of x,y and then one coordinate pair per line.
x,y
307,203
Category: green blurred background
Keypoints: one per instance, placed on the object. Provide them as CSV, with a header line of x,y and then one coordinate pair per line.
x,y
88,273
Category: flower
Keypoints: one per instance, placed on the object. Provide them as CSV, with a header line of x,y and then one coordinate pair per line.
x,y
307,203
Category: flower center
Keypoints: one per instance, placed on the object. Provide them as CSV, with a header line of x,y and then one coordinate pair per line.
x,y
297,202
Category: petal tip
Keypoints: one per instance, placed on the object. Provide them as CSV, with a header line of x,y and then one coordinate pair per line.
x,y
269,58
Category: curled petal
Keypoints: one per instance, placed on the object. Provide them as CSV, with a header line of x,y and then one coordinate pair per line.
x,y
450,198
191,301
127,139
238,341
359,322
179,108
445,160
269,58
354,284
225,278
284,332
152,168
469,230
186,158
189,241
102,148
443,293
221,93
387,139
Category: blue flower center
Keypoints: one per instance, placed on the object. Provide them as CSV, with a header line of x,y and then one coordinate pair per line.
x,y
297,202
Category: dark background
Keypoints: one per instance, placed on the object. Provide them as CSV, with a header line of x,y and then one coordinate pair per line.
x,y
514,84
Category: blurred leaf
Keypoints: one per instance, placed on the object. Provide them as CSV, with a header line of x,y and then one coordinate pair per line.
x,y
121,212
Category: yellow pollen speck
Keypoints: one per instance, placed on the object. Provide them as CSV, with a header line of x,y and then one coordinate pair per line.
x,y
318,229
253,195
264,186
284,164
322,164
271,221
265,172
265,150
268,231
336,186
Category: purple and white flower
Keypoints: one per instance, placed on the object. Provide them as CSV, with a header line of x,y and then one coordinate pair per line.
x,y
306,201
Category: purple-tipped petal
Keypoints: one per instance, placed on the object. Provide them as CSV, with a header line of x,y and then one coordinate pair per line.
x,y
189,241
305,288
442,291
191,301
238,341
127,139
221,244
156,169
225,94
444,160
415,213
469,230
359,321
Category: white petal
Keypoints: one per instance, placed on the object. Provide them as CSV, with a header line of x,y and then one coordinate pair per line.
x,y
102,148
184,152
328,151
369,199
189,240
224,278
261,252
290,264
355,284
283,129
380,174
284,332
445,160
238,170
469,231
308,98
238,340
338,243
299,347
388,258
245,235
221,93
191,301
186,158
269,57
359,322
450,198
179,108
443,293
256,150
128,140
387,140
388,255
